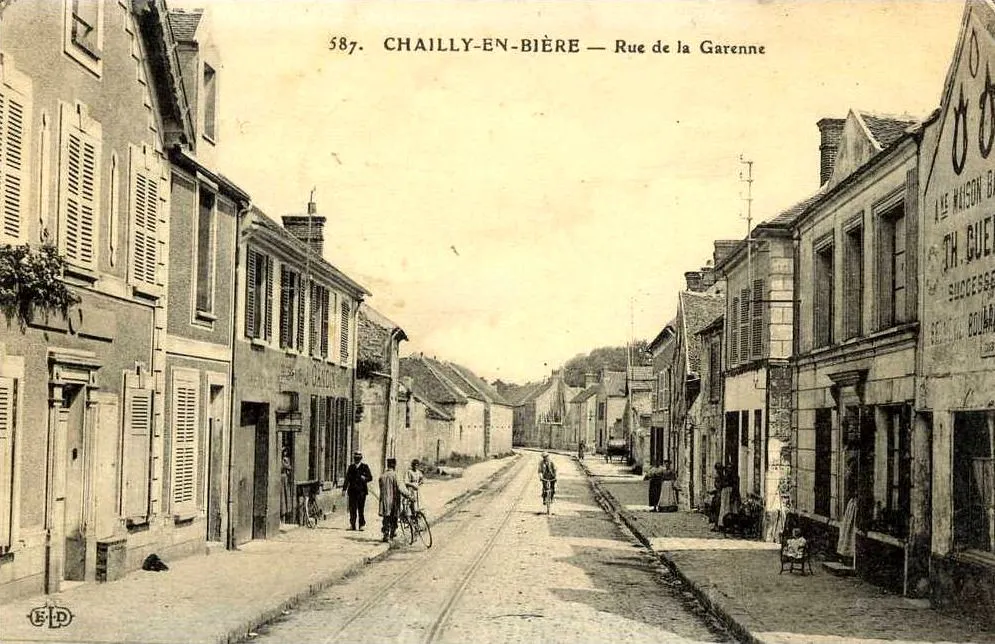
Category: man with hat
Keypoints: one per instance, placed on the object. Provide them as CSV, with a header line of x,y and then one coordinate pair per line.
x,y
357,476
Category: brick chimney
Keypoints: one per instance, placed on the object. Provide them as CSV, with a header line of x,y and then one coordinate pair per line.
x,y
723,247
590,379
707,276
694,281
307,228
830,130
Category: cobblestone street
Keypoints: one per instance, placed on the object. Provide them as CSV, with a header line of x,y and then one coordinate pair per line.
x,y
502,571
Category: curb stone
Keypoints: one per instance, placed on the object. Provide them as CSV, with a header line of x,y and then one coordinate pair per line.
x,y
243,633
707,598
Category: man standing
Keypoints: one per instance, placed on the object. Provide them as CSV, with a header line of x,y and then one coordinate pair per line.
x,y
355,487
390,499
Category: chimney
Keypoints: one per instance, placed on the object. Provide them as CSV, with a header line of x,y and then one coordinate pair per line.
x,y
831,131
723,247
307,228
707,276
590,379
694,281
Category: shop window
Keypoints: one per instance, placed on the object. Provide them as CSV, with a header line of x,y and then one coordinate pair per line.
x,y
823,461
892,472
891,267
822,312
974,481
853,282
258,296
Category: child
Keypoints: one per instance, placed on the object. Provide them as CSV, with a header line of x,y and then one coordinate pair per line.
x,y
794,548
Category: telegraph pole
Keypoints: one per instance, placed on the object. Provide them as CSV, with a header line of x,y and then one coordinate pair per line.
x,y
748,180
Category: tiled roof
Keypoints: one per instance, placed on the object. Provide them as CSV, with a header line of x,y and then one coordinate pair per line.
x,y
886,129
614,382
524,393
587,393
428,384
374,332
667,330
788,217
714,325
455,379
698,311
641,373
439,412
479,384
184,23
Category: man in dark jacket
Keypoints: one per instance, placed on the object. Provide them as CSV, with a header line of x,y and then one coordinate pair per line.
x,y
355,487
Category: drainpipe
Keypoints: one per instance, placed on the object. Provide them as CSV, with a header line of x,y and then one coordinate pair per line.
x,y
239,217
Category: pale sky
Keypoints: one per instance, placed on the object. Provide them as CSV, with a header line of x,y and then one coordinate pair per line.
x,y
506,208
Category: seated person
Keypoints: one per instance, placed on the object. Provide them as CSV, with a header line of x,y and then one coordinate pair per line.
x,y
794,547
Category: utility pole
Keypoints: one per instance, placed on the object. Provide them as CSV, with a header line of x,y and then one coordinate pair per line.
x,y
748,180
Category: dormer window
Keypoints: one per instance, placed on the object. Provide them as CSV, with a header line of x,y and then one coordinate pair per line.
x,y
83,39
210,102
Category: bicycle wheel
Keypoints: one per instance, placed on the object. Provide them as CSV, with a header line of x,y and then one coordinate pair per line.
x,y
424,531
405,531
308,518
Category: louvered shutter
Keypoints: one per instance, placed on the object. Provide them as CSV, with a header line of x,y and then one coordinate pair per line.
x,y
323,322
14,123
137,452
744,324
344,331
267,298
285,307
757,320
144,240
79,201
8,418
300,289
252,299
733,336
186,431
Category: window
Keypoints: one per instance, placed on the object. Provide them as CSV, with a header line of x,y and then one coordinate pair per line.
x,y
318,321
823,460
79,187
733,335
206,251
291,309
144,215
84,32
853,281
137,450
601,411
186,440
757,321
344,319
258,296
744,428
407,412
822,310
15,121
891,267
316,448
974,481
714,370
8,432
210,102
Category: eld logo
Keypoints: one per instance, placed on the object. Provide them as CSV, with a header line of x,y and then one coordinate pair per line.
x,y
50,615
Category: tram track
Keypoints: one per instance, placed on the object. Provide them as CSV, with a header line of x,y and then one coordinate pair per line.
x,y
430,557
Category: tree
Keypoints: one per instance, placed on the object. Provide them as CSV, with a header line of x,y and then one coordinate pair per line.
x,y
613,358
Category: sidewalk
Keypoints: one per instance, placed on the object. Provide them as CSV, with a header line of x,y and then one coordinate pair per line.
x,y
739,580
224,595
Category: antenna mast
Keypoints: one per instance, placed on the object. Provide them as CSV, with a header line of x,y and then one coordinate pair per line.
x,y
748,180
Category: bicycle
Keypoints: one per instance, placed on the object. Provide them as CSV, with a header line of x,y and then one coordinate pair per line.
x,y
547,494
413,524
310,512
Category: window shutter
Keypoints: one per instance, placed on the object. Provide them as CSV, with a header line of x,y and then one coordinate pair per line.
x,y
13,136
251,295
300,290
744,324
757,320
267,299
313,346
185,435
8,418
285,307
79,201
137,452
344,332
323,322
144,225
733,336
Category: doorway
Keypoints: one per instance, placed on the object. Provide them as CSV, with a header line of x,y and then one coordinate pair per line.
x,y
215,463
77,482
253,472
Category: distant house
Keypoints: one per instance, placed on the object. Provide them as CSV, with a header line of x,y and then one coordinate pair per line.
x,y
541,414
583,414
612,401
424,429
708,434
639,412
438,383
499,414
377,380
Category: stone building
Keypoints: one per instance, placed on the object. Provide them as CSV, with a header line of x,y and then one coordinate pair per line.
x,y
857,447
425,429
541,415
709,440
583,412
295,360
661,350
638,412
377,432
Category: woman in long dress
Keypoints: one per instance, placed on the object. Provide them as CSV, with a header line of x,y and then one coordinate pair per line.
x,y
668,493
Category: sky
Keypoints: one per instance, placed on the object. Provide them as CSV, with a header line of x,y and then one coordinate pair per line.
x,y
511,210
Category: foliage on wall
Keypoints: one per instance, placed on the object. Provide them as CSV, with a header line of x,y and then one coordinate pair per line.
x,y
31,284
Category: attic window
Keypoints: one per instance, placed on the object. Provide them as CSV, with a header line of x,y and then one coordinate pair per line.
x,y
83,38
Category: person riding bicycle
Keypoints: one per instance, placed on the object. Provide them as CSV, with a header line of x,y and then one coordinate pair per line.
x,y
547,474
413,479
